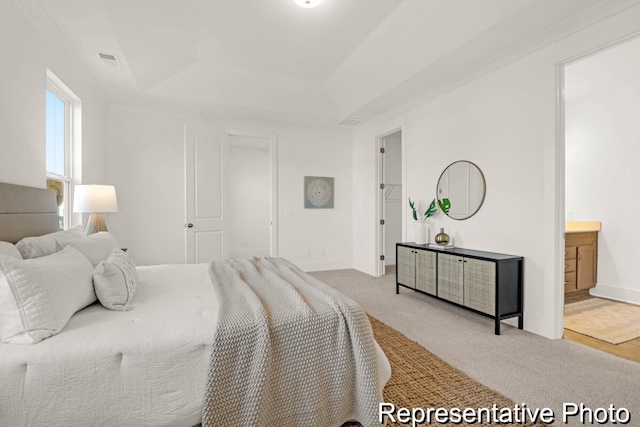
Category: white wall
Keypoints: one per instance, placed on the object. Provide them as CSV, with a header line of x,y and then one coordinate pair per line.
x,y
26,55
393,203
305,233
146,163
249,186
505,122
602,102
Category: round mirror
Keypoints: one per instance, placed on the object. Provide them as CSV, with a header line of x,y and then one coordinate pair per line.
x,y
461,190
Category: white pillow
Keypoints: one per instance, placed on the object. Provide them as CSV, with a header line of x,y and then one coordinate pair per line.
x,y
116,281
39,296
94,251
63,238
9,249
97,247
106,240
35,247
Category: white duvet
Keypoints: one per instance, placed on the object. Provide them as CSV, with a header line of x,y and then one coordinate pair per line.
x,y
143,367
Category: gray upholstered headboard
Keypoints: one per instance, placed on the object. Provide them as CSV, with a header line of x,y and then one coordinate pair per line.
x,y
26,211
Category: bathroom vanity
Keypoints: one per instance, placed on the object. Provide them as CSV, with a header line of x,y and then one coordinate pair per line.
x,y
580,255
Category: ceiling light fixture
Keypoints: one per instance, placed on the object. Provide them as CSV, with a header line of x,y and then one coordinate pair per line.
x,y
307,3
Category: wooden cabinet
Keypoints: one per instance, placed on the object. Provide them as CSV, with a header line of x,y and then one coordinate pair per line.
x,y
426,272
416,269
406,266
580,261
484,282
450,278
480,285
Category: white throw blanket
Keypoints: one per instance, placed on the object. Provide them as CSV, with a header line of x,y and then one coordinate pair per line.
x,y
288,351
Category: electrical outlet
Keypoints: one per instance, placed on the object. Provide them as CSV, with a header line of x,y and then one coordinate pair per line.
x,y
571,215
288,215
307,252
323,252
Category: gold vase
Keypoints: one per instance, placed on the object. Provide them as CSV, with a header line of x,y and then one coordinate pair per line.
x,y
442,238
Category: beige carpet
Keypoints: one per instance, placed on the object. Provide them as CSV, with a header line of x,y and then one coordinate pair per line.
x,y
518,364
606,320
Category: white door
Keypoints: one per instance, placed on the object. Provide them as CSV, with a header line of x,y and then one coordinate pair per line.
x,y
389,197
206,240
381,206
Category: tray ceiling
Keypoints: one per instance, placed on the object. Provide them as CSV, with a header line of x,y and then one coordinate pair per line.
x,y
274,61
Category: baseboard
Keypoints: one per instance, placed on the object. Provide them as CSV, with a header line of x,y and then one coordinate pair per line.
x,y
535,323
617,293
323,265
366,269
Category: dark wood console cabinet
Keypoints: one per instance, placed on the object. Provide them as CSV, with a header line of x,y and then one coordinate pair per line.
x,y
487,283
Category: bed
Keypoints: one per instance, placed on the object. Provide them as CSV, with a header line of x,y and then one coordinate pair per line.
x,y
148,366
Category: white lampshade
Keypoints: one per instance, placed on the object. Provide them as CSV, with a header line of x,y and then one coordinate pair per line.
x,y
95,198
307,3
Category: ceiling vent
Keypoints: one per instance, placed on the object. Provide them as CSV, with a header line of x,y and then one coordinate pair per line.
x,y
109,59
350,121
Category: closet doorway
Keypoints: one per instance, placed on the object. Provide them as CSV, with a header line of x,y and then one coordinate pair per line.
x,y
390,199
249,186
230,195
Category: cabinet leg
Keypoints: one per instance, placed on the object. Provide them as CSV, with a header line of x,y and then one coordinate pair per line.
x,y
397,289
521,321
497,326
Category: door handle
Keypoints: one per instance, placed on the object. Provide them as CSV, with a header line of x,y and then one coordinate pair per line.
x,y
189,225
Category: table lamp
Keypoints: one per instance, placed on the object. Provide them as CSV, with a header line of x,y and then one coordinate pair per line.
x,y
95,199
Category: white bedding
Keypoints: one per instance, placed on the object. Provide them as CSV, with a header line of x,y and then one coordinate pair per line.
x,y
143,367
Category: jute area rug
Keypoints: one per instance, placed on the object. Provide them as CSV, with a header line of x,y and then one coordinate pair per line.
x,y
420,379
606,320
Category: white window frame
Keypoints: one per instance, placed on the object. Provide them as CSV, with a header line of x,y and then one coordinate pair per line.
x,y
72,144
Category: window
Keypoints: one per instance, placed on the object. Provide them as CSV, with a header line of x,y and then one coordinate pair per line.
x,y
61,108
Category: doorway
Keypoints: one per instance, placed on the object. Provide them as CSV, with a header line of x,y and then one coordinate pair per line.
x,y
390,199
601,92
230,195
249,186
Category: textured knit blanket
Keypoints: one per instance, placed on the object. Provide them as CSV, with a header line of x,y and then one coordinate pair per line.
x,y
288,350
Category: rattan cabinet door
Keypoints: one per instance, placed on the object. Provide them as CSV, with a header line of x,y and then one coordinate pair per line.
x,y
480,285
426,271
450,278
406,265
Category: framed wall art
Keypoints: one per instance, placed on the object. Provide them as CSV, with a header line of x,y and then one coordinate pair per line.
x,y
318,192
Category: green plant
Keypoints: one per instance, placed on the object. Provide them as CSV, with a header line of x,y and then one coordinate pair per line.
x,y
431,210
445,205
413,208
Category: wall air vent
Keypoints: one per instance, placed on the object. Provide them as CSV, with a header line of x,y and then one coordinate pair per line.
x,y
350,121
109,59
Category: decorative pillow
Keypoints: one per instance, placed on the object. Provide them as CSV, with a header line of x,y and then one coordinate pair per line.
x,y
116,281
35,247
39,296
9,249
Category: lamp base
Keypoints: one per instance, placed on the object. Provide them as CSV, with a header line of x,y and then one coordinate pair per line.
x,y
95,223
